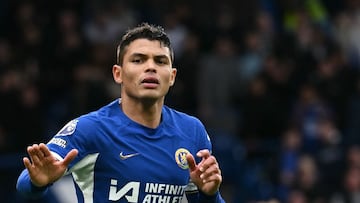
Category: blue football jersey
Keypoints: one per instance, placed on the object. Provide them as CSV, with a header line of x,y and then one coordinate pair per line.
x,y
120,160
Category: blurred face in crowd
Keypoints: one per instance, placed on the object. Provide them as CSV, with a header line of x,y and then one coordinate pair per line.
x,y
296,196
352,179
146,71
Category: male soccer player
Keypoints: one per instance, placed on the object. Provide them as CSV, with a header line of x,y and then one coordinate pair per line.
x,y
135,149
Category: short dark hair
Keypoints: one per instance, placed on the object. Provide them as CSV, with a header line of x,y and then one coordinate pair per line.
x,y
143,31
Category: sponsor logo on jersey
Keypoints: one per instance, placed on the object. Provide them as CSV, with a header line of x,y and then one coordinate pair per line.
x,y
68,129
115,194
180,158
58,141
126,156
154,192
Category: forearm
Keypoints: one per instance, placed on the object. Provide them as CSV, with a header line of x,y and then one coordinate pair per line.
x,y
25,187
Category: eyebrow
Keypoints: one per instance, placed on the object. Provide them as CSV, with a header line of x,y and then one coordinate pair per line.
x,y
146,56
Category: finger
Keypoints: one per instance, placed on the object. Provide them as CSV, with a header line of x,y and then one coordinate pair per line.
x,y
39,153
213,178
35,160
45,150
191,162
27,163
205,153
32,151
70,157
214,168
210,171
29,166
206,163
210,161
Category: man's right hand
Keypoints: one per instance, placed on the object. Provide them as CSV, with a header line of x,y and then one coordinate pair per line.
x,y
44,168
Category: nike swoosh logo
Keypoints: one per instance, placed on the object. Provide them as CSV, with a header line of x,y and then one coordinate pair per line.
x,y
123,157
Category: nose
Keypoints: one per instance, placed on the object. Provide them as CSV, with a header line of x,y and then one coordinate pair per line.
x,y
150,66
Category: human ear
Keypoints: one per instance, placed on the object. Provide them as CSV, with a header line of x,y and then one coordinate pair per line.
x,y
116,70
173,76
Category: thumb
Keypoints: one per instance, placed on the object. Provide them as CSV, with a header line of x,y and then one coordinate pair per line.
x,y
70,157
191,162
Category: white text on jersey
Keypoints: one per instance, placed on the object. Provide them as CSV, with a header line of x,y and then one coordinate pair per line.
x,y
155,192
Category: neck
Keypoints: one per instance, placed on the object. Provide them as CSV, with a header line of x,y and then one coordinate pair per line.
x,y
145,113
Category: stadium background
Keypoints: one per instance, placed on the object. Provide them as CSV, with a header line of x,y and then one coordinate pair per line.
x,y
276,82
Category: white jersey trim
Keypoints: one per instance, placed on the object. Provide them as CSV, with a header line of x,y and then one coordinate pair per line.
x,y
57,156
83,174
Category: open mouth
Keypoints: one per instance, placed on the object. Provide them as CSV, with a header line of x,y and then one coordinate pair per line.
x,y
150,81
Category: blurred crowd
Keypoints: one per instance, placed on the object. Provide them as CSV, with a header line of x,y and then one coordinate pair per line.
x,y
276,83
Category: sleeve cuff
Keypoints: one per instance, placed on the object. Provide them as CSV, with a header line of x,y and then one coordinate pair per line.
x,y
25,187
36,189
208,198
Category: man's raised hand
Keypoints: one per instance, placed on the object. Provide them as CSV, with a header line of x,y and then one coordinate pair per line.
x,y
206,175
43,168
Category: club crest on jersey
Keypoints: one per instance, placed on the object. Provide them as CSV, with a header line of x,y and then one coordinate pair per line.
x,y
68,129
180,158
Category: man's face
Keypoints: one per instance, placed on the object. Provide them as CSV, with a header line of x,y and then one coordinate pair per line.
x,y
146,71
